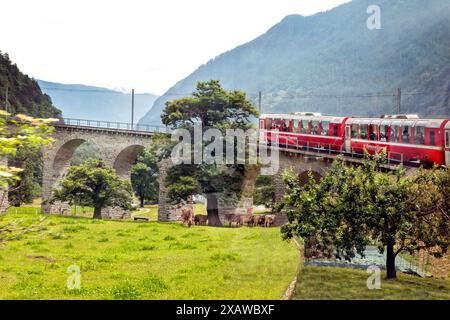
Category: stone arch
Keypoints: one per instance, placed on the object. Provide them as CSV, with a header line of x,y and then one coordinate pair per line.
x,y
115,148
126,158
64,154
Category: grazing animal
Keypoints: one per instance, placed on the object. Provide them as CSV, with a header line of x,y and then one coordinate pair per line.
x,y
200,220
229,218
259,220
269,220
236,219
247,220
187,216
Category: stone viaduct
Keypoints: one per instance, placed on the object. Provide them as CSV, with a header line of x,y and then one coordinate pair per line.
x,y
119,146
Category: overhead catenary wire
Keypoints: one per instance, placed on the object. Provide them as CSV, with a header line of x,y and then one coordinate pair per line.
x,y
293,95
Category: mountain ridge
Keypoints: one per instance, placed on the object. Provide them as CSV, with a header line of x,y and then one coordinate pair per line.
x,y
334,53
81,101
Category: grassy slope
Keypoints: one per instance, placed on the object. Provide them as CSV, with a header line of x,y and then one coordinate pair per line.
x,y
318,283
128,260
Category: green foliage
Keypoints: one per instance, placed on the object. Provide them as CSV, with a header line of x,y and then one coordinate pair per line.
x,y
180,187
94,184
24,94
351,207
84,152
29,186
210,106
264,191
20,134
145,175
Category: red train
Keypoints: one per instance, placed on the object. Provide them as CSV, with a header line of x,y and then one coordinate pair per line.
x,y
405,138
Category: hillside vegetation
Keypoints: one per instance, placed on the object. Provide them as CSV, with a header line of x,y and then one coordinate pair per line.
x,y
24,94
328,62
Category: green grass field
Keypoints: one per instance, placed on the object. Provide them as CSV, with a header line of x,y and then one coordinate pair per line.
x,y
131,260
149,211
333,283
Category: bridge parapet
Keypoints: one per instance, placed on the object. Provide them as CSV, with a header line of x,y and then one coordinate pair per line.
x,y
80,124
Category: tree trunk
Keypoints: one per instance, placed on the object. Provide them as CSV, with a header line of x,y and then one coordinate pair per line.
x,y
98,213
213,210
390,260
142,202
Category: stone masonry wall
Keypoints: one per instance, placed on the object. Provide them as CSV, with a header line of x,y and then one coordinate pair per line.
x,y
300,164
116,149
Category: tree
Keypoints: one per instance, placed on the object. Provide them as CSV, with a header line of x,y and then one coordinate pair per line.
x,y
17,134
28,187
94,184
145,175
264,192
210,106
352,207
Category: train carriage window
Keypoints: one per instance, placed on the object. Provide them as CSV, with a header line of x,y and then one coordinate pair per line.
x,y
276,124
285,125
373,135
363,131
315,127
295,126
325,128
406,134
394,134
447,139
432,138
335,130
355,131
269,124
304,128
384,133
419,135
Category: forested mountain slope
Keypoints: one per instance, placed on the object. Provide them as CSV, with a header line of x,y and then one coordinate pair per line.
x,y
332,63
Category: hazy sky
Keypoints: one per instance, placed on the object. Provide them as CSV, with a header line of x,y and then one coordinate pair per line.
x,y
145,44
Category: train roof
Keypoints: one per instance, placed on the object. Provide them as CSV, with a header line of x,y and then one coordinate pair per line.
x,y
428,123
313,116
409,121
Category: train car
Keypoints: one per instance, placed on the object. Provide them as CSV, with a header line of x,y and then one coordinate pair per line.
x,y
406,140
310,130
447,144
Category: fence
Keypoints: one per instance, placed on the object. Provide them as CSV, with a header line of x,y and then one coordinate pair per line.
x,y
113,125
